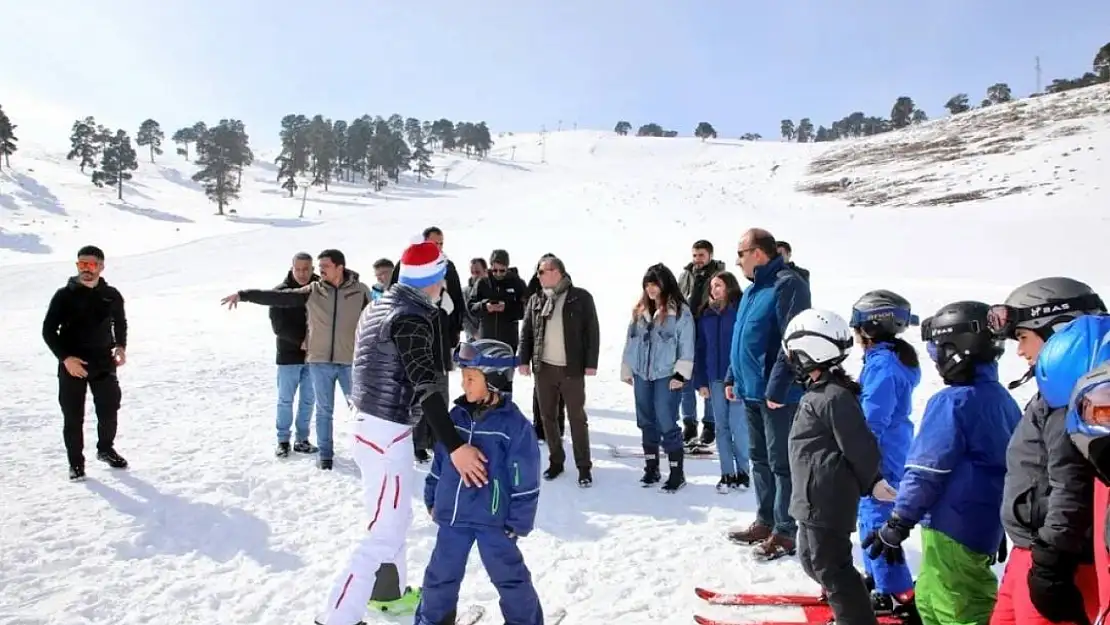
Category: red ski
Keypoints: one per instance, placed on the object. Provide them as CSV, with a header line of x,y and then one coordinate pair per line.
x,y
812,615
753,599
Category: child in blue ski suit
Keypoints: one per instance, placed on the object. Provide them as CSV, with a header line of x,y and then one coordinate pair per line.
x,y
954,474
891,372
495,515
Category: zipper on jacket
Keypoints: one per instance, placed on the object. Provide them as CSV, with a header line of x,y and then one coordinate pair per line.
x,y
496,497
334,319
458,489
516,474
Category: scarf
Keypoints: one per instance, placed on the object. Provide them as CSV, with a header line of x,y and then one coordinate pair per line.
x,y
550,295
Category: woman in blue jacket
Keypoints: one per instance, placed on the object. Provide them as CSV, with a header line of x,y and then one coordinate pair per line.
x,y
891,372
711,359
952,484
658,362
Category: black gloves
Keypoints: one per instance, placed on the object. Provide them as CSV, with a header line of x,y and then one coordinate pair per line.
x,y
1052,588
887,540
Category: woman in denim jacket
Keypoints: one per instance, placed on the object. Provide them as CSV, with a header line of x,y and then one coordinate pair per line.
x,y
658,362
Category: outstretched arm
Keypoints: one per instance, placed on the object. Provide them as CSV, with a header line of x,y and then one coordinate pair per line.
x,y
282,299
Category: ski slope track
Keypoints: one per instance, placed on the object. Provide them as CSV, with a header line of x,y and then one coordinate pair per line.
x,y
208,527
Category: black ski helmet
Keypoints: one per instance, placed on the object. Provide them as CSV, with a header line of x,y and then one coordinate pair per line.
x,y
882,314
1043,306
958,338
496,360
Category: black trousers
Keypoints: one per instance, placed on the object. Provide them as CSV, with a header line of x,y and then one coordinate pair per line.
x,y
826,557
106,397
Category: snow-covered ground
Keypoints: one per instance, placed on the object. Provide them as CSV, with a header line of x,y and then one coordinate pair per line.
x,y
207,527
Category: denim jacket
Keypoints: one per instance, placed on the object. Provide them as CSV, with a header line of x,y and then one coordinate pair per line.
x,y
653,350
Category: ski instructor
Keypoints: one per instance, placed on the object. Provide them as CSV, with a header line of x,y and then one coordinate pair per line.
x,y
393,383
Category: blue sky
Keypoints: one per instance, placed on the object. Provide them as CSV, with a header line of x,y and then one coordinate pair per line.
x,y
741,64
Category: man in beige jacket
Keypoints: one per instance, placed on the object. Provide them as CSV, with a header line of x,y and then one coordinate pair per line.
x,y
333,304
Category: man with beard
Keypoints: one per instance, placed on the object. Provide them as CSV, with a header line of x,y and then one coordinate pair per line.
x,y
694,284
86,329
497,301
290,326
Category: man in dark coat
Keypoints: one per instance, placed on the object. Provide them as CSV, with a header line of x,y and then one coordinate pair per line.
x,y
694,284
786,251
290,327
533,288
497,301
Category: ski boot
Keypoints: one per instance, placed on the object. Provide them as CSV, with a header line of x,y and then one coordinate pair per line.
x,y
387,595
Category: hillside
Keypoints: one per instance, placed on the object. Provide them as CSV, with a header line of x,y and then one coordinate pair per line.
x,y
1035,147
208,527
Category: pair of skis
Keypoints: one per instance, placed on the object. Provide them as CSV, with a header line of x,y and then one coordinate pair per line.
x,y
815,609
698,452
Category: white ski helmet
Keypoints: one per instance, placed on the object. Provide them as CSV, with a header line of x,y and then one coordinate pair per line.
x,y
816,339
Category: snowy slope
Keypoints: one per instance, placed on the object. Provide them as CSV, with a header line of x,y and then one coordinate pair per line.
x,y
207,527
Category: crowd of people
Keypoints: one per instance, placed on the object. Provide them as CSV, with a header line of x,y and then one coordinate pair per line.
x,y
826,455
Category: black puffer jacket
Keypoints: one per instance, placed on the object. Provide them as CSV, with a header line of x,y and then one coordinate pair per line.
x,y
503,325
381,383
290,326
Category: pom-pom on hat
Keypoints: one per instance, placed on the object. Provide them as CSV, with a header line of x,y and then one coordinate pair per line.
x,y
422,265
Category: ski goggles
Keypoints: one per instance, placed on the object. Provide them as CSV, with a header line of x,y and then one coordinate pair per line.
x,y
1004,320
468,356
931,333
901,315
1089,408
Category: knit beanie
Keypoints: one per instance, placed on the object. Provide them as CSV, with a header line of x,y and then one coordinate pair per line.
x,y
422,265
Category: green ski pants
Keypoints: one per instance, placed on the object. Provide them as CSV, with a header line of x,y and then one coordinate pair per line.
x,y
955,585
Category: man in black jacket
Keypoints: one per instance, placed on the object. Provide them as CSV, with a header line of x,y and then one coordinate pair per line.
x,y
86,329
694,284
448,326
497,301
786,251
291,328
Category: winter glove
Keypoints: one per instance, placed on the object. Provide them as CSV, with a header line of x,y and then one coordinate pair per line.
x,y
1052,588
887,540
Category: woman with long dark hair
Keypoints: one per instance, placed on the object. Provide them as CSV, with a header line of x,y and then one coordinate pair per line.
x,y
658,362
711,359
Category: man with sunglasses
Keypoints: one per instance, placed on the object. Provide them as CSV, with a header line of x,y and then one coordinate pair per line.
x,y
497,301
86,329
1047,498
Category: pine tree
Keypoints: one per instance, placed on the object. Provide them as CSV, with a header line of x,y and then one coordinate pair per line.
x,y
7,137
413,133
150,135
421,158
222,151
117,163
185,137
85,142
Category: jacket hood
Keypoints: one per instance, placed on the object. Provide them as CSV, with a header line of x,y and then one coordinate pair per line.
x,y
765,274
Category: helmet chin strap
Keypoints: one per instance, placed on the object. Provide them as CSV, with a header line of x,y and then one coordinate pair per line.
x,y
1023,379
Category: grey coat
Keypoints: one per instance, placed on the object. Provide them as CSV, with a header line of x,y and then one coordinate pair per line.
x,y
834,459
1048,494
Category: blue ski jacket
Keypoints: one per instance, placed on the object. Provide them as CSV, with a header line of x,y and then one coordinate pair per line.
x,y
510,499
957,463
758,370
714,342
887,401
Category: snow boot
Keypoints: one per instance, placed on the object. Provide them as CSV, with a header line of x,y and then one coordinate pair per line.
x,y
741,481
689,430
282,450
676,479
708,433
305,447
111,458
651,466
76,473
724,485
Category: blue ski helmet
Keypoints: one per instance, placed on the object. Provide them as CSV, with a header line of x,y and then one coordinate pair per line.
x,y
496,360
1072,351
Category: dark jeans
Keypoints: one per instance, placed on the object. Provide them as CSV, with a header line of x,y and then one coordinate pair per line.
x,y
657,414
537,420
553,383
769,434
106,400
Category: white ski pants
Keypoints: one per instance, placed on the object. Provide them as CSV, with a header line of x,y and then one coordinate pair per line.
x,y
384,454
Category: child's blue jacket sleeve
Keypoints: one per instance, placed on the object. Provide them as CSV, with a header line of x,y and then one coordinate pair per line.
x,y
879,397
937,449
432,480
524,472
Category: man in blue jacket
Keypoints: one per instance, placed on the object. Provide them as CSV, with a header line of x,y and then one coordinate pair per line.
x,y
760,375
